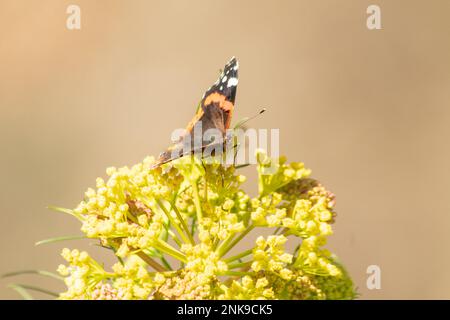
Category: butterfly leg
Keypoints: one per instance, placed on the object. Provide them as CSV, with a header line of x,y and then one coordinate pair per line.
x,y
236,150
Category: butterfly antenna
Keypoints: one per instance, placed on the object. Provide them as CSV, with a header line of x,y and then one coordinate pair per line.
x,y
245,120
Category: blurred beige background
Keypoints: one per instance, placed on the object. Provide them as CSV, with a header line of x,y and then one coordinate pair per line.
x,y
367,111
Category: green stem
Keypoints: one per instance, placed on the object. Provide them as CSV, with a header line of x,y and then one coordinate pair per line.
x,y
296,253
238,256
183,223
194,219
215,243
206,184
224,245
152,263
172,221
260,183
166,248
240,265
236,241
234,273
132,218
197,203
166,263
174,237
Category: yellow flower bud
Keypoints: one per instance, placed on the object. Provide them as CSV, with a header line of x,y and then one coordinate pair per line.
x,y
228,204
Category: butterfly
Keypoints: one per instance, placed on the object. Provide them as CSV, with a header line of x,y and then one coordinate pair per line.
x,y
214,112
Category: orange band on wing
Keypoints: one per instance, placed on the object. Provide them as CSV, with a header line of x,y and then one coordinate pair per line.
x,y
221,99
194,120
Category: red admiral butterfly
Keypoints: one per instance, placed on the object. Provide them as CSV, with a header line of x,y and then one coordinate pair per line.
x,y
215,112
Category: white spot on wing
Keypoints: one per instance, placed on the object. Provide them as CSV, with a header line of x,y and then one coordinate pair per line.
x,y
232,82
224,79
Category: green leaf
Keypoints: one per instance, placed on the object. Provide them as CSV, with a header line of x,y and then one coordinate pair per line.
x,y
58,239
22,290
39,272
64,210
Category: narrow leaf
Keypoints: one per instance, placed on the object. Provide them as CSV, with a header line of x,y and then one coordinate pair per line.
x,y
22,289
39,272
58,239
65,210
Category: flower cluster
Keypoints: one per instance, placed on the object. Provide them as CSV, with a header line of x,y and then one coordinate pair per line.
x,y
174,230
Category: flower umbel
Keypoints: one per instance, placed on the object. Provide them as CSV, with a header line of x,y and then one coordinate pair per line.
x,y
174,230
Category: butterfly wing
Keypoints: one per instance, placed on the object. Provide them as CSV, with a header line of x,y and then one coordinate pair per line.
x,y
215,112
